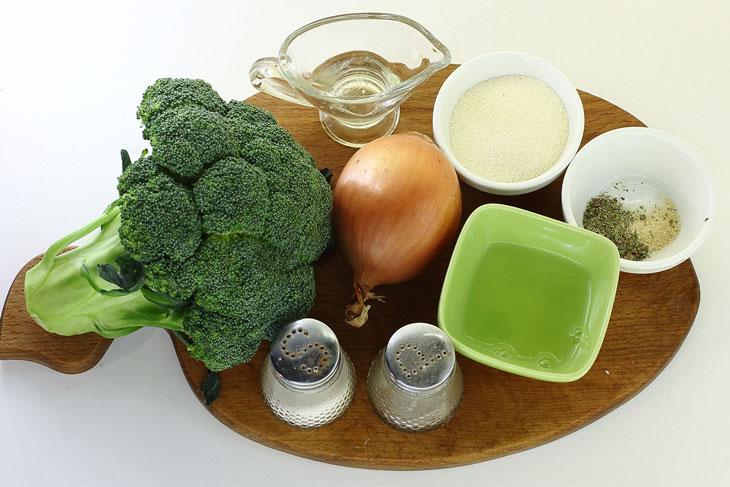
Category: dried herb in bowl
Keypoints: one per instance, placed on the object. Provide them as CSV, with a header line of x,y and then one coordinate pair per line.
x,y
637,233
606,216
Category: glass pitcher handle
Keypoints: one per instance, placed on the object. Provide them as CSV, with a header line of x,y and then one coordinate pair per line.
x,y
266,77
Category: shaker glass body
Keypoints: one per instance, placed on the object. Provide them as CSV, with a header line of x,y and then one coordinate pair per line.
x,y
307,380
401,397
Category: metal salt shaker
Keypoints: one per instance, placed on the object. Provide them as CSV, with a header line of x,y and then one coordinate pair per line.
x,y
415,383
307,380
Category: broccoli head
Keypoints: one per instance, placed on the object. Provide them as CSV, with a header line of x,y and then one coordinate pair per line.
x,y
226,216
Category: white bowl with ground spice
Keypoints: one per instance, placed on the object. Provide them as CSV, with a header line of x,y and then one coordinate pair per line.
x,y
509,122
644,190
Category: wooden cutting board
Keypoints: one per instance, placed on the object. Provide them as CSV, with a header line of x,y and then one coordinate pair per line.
x,y
500,413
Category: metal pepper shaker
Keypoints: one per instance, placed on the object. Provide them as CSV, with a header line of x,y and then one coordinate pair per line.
x,y
307,380
415,383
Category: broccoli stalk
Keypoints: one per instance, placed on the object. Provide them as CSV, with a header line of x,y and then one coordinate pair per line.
x,y
61,300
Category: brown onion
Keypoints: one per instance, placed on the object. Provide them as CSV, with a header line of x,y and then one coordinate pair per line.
x,y
396,205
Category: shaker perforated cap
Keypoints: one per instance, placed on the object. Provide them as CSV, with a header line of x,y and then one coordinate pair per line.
x,y
419,357
305,353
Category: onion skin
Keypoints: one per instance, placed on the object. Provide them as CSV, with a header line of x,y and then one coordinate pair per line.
x,y
396,205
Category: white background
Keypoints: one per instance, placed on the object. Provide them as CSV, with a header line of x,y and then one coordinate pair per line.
x,y
71,76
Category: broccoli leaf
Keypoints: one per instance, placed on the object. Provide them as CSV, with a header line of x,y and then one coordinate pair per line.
x,y
326,173
211,387
126,160
129,278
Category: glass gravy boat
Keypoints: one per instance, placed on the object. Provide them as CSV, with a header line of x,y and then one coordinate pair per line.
x,y
356,69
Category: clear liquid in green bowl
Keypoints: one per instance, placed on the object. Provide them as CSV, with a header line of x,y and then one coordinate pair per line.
x,y
528,303
528,294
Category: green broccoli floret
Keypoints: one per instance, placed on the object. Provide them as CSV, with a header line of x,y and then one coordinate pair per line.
x,y
301,198
172,278
219,341
233,197
253,282
186,139
160,219
218,226
169,93
250,124
140,171
239,111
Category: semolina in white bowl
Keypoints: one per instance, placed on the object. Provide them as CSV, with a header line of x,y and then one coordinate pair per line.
x,y
489,67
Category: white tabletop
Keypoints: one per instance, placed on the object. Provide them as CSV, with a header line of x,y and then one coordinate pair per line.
x,y
71,76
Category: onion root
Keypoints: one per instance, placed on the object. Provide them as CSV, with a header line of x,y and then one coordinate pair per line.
x,y
356,314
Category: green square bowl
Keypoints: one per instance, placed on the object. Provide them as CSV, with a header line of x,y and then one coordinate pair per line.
x,y
528,294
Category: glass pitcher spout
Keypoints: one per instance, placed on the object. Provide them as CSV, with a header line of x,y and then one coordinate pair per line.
x,y
266,77
356,69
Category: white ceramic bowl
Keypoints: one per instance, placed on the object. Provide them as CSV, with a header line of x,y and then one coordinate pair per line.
x,y
490,66
647,163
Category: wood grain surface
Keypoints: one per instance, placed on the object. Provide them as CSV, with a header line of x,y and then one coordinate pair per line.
x,y
500,413
22,339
